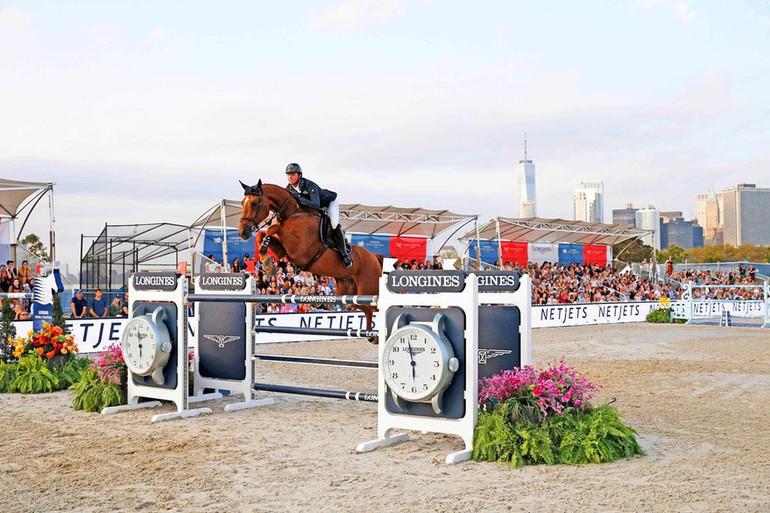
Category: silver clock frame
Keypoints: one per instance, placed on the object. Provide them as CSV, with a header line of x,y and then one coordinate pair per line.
x,y
161,341
450,364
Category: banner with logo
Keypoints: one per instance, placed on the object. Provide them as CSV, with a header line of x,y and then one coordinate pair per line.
x,y
594,255
540,252
515,252
236,247
408,248
377,244
489,251
570,254
552,316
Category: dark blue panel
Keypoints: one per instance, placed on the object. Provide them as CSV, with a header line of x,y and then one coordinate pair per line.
x,y
489,251
377,244
236,247
570,254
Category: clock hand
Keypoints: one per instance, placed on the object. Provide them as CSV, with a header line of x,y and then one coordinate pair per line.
x,y
411,357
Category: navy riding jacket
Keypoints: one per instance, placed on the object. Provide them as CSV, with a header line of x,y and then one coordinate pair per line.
x,y
311,195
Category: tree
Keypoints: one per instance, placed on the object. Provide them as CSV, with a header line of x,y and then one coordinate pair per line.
x,y
58,315
633,251
677,254
36,247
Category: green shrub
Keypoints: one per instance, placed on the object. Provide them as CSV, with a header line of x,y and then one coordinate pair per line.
x,y
596,435
8,372
661,315
91,394
34,377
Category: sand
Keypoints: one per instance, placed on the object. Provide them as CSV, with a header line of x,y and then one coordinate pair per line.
x,y
697,396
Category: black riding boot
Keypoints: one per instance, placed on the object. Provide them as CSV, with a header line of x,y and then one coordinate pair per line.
x,y
342,246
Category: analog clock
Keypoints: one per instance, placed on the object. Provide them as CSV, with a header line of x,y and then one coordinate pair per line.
x,y
418,362
146,345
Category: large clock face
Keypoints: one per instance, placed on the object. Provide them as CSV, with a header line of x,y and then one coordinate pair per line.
x,y
138,345
414,363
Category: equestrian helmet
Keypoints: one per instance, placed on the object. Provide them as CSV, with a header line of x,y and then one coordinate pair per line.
x,y
293,168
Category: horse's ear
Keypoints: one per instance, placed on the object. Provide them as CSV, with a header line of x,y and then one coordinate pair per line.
x,y
259,184
245,187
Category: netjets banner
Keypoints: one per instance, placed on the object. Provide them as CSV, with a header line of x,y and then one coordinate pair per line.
x,y
551,316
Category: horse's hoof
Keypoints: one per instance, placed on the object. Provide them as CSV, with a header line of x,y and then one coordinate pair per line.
x,y
373,340
269,265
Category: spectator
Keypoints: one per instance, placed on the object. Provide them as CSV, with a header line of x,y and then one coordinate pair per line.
x,y
116,307
20,314
98,305
79,305
236,267
125,304
12,270
24,273
5,279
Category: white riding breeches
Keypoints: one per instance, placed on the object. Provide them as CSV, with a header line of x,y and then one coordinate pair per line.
x,y
333,211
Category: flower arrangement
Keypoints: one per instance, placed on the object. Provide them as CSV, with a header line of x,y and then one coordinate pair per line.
x,y
110,365
48,342
530,416
552,389
102,384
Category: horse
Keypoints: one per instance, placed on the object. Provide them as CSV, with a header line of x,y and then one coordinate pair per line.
x,y
296,236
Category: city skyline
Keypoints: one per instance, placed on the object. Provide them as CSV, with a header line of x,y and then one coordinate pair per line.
x,y
140,114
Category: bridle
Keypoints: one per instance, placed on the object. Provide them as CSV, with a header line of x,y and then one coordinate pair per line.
x,y
279,212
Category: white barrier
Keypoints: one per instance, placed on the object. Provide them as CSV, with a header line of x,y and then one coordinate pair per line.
x,y
693,308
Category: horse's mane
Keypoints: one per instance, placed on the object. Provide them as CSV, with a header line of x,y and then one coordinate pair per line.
x,y
282,194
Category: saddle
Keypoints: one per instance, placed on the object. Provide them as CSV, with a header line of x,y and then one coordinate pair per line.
x,y
330,239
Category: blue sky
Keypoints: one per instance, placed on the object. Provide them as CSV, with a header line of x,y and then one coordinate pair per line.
x,y
152,111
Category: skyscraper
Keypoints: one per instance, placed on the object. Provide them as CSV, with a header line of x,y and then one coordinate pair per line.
x,y
710,214
525,181
589,202
626,216
746,214
647,218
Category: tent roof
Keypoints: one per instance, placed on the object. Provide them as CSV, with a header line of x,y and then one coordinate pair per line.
x,y
535,229
357,218
390,220
13,193
150,241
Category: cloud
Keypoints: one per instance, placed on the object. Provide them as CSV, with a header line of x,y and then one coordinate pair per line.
x,y
156,36
13,18
685,13
354,14
102,36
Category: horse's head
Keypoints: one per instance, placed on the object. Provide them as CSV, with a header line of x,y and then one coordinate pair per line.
x,y
254,211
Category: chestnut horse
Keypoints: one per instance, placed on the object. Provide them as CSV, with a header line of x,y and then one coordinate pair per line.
x,y
296,236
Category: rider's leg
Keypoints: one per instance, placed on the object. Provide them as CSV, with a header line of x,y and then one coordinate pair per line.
x,y
333,211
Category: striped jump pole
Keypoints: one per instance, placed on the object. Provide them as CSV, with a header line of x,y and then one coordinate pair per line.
x,y
310,360
317,392
294,299
291,330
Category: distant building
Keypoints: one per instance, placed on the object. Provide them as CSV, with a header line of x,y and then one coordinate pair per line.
x,y
647,218
746,215
626,216
589,202
525,181
710,215
674,230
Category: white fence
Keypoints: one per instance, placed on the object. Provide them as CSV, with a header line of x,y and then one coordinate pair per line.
x,y
693,307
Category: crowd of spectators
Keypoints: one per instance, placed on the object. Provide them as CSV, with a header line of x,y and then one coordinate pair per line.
x,y
551,284
17,281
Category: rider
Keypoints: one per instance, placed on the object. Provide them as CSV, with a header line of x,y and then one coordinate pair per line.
x,y
308,194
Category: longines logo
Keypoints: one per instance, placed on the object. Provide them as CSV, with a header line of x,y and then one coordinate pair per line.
x,y
155,281
222,281
541,249
426,281
486,354
498,281
221,339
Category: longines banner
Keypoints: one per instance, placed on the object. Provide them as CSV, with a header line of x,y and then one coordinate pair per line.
x,y
94,335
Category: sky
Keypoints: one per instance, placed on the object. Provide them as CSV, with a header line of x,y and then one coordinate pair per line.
x,y
149,111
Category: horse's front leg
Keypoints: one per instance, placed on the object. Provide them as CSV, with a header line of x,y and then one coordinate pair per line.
x,y
270,239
